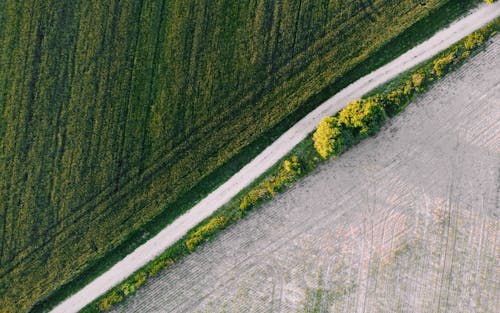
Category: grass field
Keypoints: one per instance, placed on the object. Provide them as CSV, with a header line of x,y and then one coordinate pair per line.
x,y
112,109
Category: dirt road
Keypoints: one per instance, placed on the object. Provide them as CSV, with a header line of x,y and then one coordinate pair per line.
x,y
269,156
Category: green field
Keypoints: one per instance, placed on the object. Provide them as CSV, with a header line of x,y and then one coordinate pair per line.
x,y
110,111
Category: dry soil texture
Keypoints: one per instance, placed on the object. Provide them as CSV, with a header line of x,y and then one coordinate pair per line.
x,y
404,222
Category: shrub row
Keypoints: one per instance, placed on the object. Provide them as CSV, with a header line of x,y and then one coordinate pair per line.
x,y
129,286
200,234
204,232
289,172
364,117
359,119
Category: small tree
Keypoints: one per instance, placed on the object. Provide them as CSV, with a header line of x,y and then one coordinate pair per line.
x,y
328,138
362,118
255,196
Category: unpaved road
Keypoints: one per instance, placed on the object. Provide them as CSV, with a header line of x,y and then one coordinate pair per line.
x,y
272,154
404,222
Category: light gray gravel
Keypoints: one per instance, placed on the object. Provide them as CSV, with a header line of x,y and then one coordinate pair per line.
x,y
404,222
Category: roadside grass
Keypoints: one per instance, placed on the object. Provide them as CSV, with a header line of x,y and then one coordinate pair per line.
x,y
307,160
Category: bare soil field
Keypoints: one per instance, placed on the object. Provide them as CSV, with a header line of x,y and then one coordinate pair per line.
x,y
406,221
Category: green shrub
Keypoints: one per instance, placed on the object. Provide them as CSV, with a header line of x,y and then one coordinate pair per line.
x,y
329,139
292,166
127,289
465,54
111,299
253,197
390,102
474,40
205,231
362,118
408,88
418,79
140,279
158,265
289,171
442,65
104,305
270,186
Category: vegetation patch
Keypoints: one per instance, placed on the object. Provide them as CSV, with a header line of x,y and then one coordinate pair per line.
x,y
289,172
364,117
204,232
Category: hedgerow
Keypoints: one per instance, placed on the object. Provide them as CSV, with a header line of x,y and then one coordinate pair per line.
x,y
289,172
364,117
